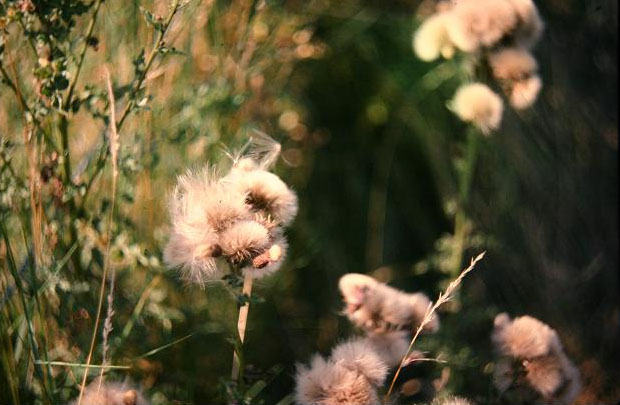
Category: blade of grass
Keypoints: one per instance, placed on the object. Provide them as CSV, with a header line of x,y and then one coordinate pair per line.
x,y
139,306
101,366
8,361
20,289
160,348
287,400
31,263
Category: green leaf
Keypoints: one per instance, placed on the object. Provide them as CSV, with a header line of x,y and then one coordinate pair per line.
x,y
254,390
287,400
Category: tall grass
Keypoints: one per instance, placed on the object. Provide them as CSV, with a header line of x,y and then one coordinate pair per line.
x,y
390,184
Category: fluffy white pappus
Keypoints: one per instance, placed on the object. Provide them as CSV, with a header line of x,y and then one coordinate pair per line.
x,y
265,192
378,308
243,240
271,261
353,287
530,25
224,205
542,380
391,347
515,69
201,196
532,363
451,400
110,393
525,92
524,337
327,382
244,165
512,64
192,251
478,104
263,150
192,246
431,40
481,23
360,356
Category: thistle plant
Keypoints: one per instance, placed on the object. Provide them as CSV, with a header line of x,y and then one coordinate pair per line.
x,y
486,45
232,226
532,366
357,369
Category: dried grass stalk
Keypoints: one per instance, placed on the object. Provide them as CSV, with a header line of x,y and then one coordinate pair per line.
x,y
428,317
114,146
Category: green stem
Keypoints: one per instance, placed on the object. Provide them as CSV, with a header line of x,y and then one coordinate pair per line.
x,y
242,322
89,32
471,156
461,223
30,41
103,155
148,63
34,292
8,359
377,199
63,126
20,98
64,131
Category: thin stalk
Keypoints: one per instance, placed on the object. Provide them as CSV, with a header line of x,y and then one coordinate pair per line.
x,y
149,61
26,108
63,127
89,32
30,327
377,200
461,223
34,288
86,366
428,317
8,361
138,308
114,143
471,156
237,367
103,156
30,40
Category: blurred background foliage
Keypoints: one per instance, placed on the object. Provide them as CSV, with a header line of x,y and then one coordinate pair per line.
x,y
368,143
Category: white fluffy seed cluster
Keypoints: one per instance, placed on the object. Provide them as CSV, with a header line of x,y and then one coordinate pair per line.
x,y
531,360
478,104
378,308
500,34
349,376
238,218
356,368
110,393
